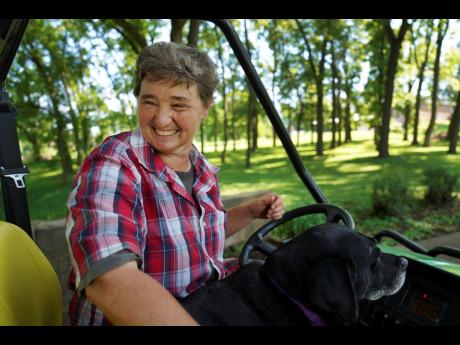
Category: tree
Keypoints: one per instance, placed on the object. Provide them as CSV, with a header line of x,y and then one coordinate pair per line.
x,y
376,50
407,97
274,41
443,26
454,127
421,76
353,48
251,103
177,26
395,46
334,91
317,69
193,32
224,93
45,41
130,32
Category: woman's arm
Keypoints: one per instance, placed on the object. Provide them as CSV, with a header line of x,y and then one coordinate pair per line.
x,y
268,206
127,296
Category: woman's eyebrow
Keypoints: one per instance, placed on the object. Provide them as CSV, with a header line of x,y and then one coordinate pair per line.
x,y
148,95
180,98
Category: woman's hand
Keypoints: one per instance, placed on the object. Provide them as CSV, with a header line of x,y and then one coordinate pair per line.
x,y
267,206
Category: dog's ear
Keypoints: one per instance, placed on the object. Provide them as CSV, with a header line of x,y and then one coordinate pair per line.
x,y
331,288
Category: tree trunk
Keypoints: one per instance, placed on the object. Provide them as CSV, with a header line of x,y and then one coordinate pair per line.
x,y
407,110
395,46
177,26
299,122
224,94
250,104
312,132
233,117
33,140
255,126
224,151
381,92
249,126
417,111
75,124
193,32
454,127
61,143
434,94
130,33
421,77
320,122
334,113
334,97
347,122
318,76
275,67
339,111
319,108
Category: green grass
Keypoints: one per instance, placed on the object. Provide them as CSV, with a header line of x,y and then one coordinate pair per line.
x,y
344,174
46,194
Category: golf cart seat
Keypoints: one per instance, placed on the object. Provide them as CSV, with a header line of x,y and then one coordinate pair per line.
x,y
30,292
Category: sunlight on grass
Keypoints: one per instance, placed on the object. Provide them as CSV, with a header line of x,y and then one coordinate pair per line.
x,y
45,174
345,175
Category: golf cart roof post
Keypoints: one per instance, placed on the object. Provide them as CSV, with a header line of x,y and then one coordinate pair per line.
x,y
12,171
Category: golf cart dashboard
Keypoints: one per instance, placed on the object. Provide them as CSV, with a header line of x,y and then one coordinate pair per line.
x,y
429,297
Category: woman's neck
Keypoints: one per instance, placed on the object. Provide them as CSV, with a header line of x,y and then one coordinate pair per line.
x,y
177,162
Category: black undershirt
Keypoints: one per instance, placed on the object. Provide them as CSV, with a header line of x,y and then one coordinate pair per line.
x,y
187,178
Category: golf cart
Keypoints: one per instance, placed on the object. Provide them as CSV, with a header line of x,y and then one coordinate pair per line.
x,y
429,295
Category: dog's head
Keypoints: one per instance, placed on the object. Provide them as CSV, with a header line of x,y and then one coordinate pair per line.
x,y
332,268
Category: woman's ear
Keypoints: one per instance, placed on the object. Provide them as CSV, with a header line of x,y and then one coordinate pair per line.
x,y
206,109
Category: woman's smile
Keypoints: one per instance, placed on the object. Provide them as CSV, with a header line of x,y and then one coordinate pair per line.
x,y
165,133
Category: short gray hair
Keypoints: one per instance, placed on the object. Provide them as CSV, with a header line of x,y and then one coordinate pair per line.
x,y
179,64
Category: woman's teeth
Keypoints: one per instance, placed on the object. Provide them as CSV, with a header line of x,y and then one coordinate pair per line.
x,y
165,133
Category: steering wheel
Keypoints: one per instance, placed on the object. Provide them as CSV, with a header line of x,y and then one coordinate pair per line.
x,y
333,214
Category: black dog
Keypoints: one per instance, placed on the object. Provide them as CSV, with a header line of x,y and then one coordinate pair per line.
x,y
317,278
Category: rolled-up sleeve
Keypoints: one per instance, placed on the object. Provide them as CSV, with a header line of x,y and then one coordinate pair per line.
x,y
105,216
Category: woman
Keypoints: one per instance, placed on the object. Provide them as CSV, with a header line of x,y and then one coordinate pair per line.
x,y
146,204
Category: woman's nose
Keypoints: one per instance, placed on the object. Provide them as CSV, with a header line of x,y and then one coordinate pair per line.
x,y
163,116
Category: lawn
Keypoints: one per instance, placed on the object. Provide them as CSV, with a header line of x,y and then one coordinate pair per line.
x,y
344,174
46,195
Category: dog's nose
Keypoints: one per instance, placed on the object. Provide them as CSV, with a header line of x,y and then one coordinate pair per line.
x,y
404,263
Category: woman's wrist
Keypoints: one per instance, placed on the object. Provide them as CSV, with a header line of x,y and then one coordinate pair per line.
x,y
253,209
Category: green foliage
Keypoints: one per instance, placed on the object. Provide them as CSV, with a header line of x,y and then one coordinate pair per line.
x,y
296,226
441,185
391,194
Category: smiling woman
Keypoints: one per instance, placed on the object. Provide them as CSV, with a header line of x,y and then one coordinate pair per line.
x,y
146,203
168,117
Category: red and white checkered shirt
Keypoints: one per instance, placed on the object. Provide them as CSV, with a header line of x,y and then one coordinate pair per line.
x,y
124,199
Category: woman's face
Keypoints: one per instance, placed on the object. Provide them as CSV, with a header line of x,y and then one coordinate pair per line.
x,y
169,116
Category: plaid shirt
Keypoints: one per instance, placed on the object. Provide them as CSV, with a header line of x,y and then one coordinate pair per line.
x,y
124,198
